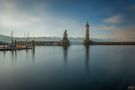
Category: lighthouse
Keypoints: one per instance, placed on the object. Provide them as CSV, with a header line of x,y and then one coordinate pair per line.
x,y
87,39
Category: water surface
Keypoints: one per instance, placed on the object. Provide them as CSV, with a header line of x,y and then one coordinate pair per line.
x,y
74,68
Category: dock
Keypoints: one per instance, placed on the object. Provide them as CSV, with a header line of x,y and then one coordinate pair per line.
x,y
47,43
17,45
112,43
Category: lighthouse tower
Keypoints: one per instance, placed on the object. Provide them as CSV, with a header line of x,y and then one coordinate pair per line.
x,y
87,40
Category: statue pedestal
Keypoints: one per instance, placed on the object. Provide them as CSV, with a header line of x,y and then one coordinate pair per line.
x,y
87,42
65,43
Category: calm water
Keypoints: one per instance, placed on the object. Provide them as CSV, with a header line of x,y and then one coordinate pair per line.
x,y
73,68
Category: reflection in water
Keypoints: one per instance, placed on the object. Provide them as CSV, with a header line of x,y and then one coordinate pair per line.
x,y
50,73
33,54
15,56
12,53
27,51
87,57
4,52
65,52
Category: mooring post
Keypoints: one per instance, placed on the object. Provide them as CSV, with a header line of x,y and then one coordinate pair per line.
x,y
12,45
15,45
26,44
4,47
33,44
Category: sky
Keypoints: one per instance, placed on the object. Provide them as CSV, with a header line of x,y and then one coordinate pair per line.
x,y
108,19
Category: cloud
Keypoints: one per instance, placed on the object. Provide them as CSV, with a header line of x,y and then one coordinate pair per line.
x,y
106,27
132,8
115,33
102,32
38,21
114,19
125,34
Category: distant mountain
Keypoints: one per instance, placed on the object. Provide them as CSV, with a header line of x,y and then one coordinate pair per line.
x,y
4,38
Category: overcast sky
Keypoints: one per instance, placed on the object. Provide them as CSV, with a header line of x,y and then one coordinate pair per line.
x,y
111,19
